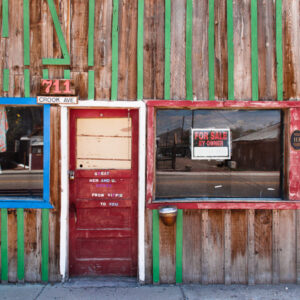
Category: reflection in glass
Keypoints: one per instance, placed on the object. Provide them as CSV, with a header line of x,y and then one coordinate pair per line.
x,y
21,151
256,158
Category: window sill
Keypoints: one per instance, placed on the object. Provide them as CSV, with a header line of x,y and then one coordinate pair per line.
x,y
34,203
227,204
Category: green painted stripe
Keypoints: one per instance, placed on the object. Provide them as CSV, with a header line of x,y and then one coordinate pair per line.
x,y
91,33
179,238
91,85
211,50
27,83
140,51
45,74
26,21
167,85
45,244
5,27
115,53
4,246
155,245
230,49
67,74
64,49
20,243
279,50
188,50
5,80
254,50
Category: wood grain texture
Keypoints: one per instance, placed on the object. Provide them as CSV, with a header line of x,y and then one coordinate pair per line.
x,y
102,44
54,216
221,56
287,246
178,10
127,78
191,267
298,244
266,50
154,49
263,246
242,49
200,50
167,236
215,246
227,247
12,245
79,33
148,246
32,249
239,234
291,55
275,247
251,246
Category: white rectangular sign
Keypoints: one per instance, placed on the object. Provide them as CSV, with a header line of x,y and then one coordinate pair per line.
x,y
56,100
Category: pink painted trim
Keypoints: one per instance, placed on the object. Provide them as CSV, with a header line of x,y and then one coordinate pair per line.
x,y
150,154
229,205
293,170
223,104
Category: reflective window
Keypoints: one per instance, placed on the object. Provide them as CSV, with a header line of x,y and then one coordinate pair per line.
x,y
21,151
218,154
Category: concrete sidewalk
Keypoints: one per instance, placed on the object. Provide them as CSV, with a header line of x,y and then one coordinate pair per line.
x,y
131,290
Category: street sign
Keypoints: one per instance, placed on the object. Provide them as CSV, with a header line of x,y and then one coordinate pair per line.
x,y
57,100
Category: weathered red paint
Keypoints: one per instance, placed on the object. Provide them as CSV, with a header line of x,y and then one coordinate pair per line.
x,y
150,154
103,210
223,104
294,156
228,205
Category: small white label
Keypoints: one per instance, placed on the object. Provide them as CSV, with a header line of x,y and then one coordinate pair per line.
x,y
56,100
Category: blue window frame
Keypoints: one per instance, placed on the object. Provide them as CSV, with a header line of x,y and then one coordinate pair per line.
x,y
30,202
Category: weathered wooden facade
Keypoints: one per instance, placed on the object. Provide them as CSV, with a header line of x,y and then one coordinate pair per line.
x,y
134,50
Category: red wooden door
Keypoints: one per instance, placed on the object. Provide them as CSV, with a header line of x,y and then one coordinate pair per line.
x,y
103,192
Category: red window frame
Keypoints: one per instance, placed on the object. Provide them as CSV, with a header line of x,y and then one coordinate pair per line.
x,y
291,157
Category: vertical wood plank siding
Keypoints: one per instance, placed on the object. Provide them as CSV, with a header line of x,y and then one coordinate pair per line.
x,y
140,49
254,50
4,246
211,49
158,49
230,49
20,230
5,27
115,52
167,85
279,50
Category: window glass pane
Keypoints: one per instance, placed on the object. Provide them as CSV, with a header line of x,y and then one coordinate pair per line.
x,y
252,171
21,151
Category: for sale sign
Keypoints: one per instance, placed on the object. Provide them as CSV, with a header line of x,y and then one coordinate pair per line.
x,y
211,143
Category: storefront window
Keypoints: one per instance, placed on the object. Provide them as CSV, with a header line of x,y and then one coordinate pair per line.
x,y
24,153
218,154
21,151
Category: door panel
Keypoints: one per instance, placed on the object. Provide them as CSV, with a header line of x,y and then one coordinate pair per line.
x,y
103,194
